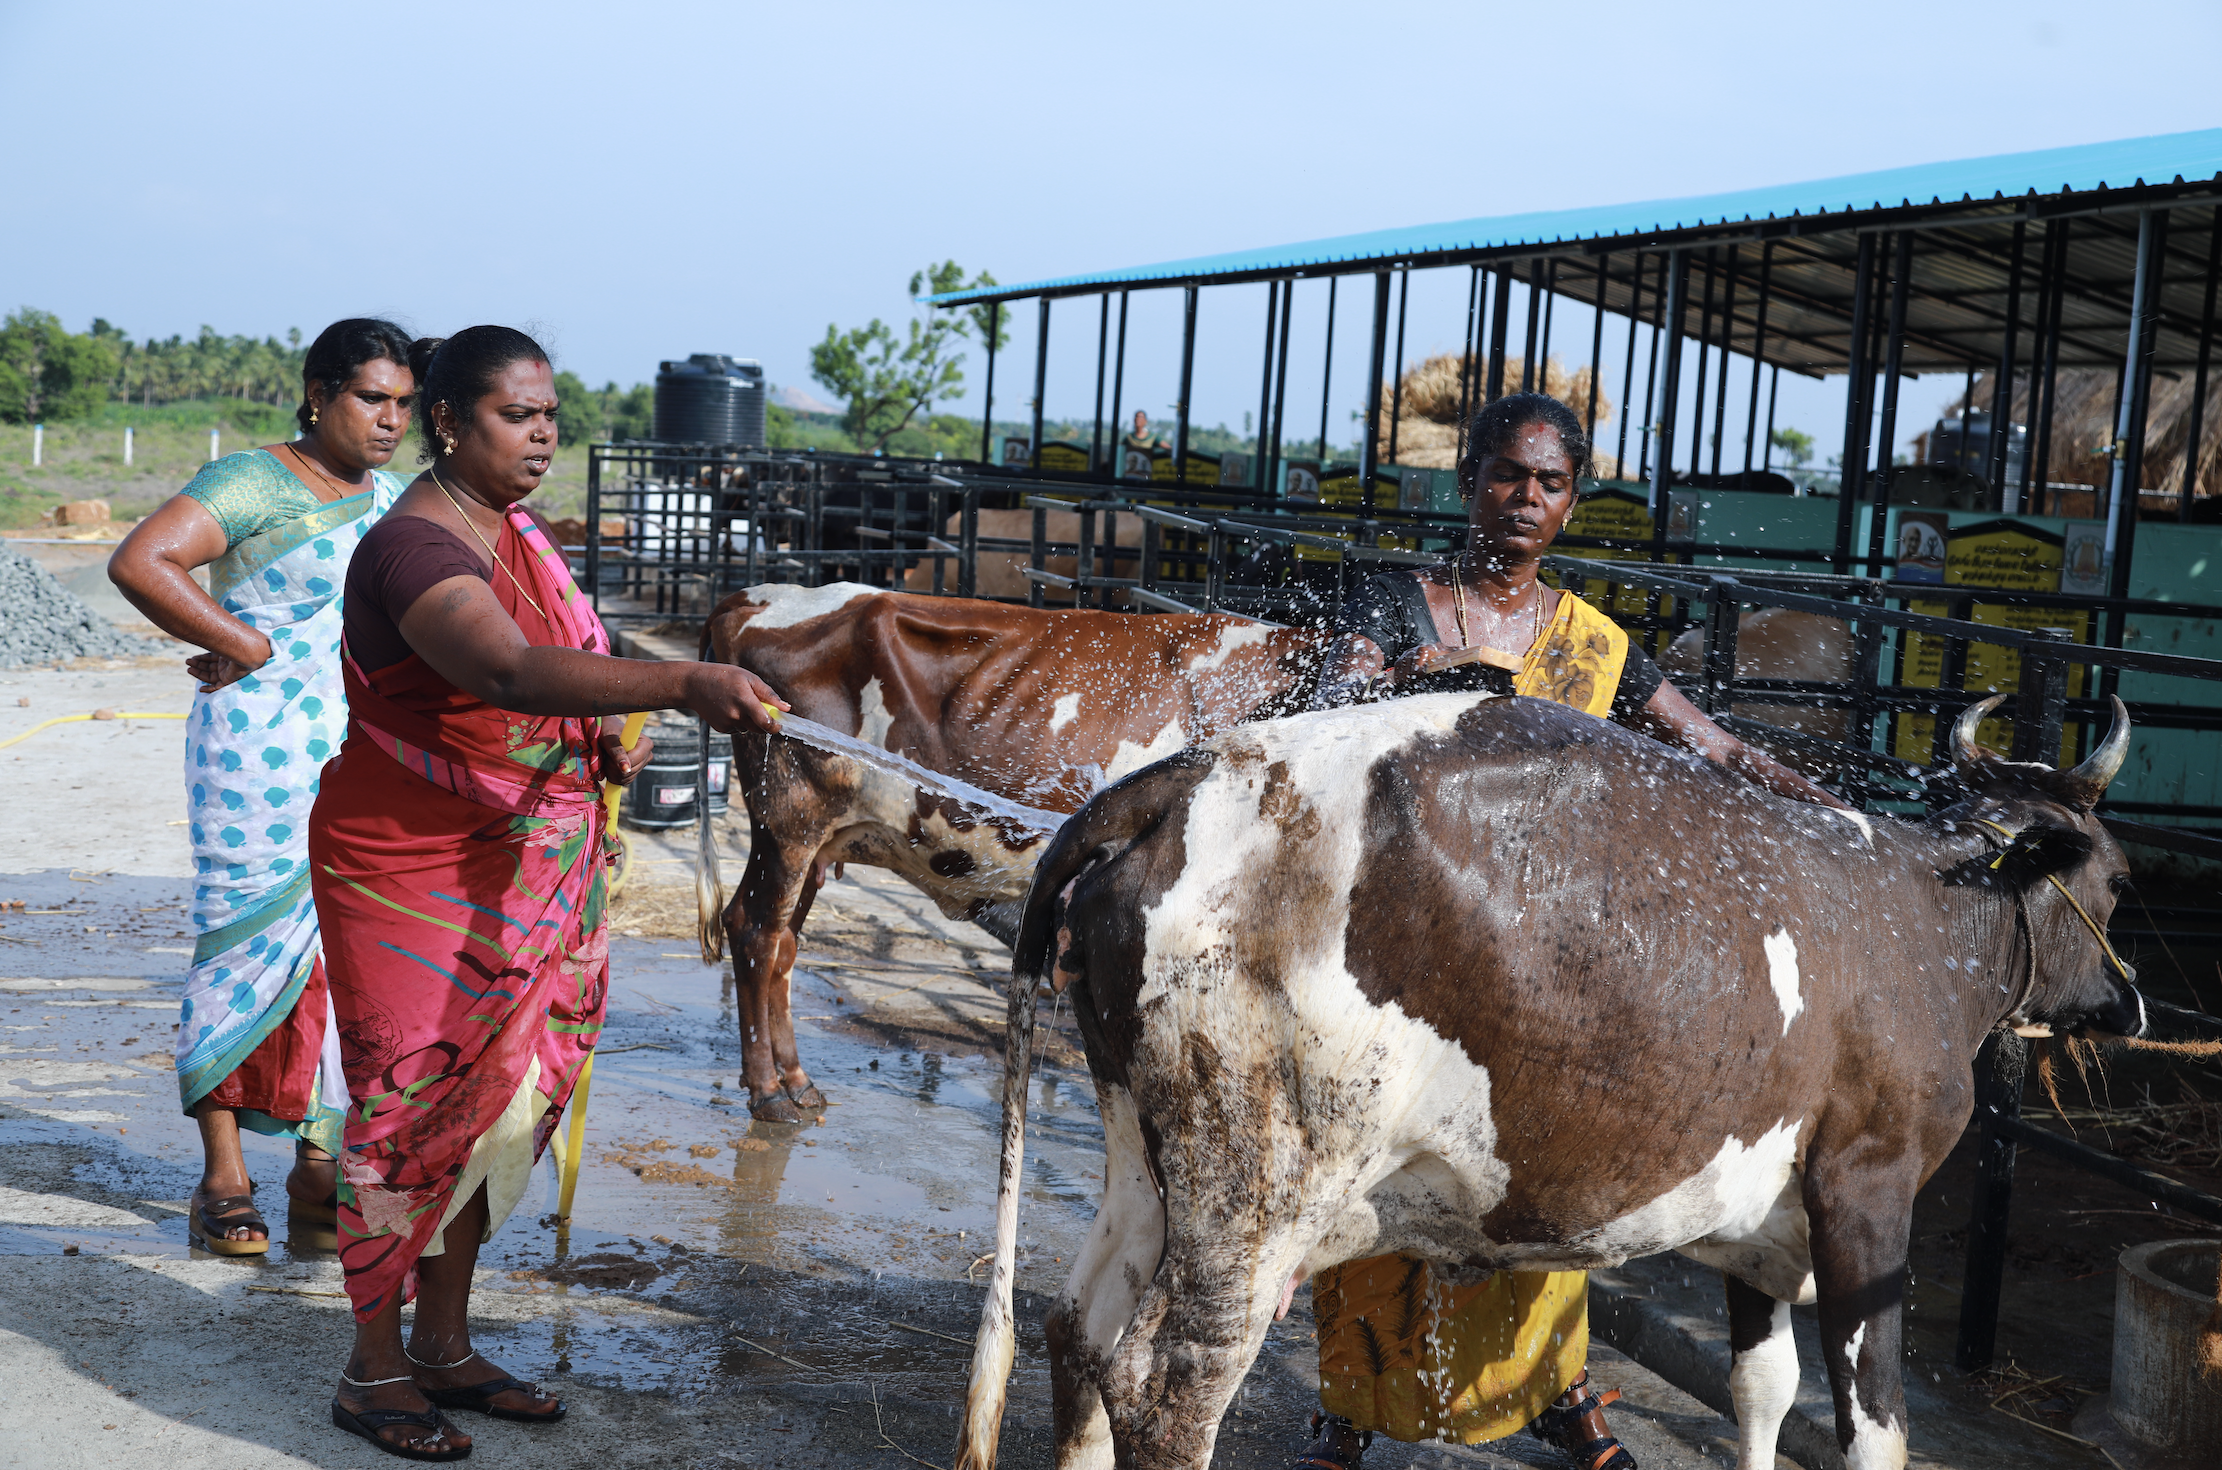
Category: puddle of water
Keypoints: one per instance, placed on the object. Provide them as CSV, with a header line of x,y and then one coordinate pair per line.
x,y
904,1161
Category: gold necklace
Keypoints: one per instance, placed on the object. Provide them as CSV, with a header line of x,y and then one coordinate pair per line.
x,y
1458,603
343,491
481,535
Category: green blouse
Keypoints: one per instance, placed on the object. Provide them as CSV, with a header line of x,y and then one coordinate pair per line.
x,y
249,493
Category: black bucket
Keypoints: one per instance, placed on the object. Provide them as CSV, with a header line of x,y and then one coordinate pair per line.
x,y
662,795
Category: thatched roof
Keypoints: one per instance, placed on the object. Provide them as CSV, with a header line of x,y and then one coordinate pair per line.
x,y
2083,425
1427,426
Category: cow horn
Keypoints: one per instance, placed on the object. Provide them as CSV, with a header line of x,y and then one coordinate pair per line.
x,y
2105,763
1964,749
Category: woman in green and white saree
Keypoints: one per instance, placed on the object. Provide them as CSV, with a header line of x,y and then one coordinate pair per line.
x,y
256,1045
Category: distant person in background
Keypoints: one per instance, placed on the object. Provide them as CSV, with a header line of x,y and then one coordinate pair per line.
x,y
256,1044
457,848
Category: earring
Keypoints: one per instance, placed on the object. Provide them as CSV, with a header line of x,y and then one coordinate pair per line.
x,y
312,417
447,442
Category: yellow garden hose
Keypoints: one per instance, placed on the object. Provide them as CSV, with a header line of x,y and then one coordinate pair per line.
x,y
575,1138
612,795
129,714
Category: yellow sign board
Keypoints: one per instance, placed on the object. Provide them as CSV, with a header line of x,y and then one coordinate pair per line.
x,y
2012,557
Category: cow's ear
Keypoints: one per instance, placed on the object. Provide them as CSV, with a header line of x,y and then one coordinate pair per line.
x,y
2036,850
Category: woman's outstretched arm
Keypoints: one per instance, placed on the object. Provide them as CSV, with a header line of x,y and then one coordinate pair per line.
x,y
1668,717
460,629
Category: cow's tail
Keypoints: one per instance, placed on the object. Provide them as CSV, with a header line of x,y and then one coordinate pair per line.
x,y
709,877
1096,834
997,1341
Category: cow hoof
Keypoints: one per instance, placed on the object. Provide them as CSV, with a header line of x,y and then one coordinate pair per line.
x,y
773,1109
809,1097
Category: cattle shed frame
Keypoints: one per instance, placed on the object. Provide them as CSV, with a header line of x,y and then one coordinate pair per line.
x,y
2096,256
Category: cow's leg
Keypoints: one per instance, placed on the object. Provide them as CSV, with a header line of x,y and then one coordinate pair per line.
x,y
786,1056
1193,1338
763,939
1861,1217
1115,1263
1764,1381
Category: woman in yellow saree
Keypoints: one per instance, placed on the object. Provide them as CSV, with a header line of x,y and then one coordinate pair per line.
x,y
1404,1351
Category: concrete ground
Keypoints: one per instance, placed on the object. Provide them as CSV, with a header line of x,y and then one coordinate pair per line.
x,y
730,1293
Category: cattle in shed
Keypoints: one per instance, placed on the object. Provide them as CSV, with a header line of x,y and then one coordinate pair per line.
x,y
1487,982
1039,707
1780,643
1001,575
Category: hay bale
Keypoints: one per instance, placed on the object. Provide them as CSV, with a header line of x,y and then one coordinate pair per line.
x,y
1427,421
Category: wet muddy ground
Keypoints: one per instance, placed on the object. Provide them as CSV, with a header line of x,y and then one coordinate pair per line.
x,y
730,1293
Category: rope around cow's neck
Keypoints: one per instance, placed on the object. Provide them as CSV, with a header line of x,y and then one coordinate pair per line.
x,y
2080,912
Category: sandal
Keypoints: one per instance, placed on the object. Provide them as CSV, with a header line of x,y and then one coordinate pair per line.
x,y
479,1398
1325,1451
370,1421
1561,1424
208,1224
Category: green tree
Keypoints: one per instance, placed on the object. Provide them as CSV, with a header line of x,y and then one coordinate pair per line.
x,y
888,380
1795,447
51,375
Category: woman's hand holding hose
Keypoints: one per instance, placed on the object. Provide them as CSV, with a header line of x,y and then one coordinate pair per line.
x,y
730,698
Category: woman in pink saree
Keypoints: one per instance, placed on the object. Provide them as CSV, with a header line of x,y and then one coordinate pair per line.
x,y
458,865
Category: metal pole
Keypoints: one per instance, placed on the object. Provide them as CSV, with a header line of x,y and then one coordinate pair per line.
x,y
1280,389
1597,357
1999,1069
1041,386
2199,380
1103,344
1886,433
1118,393
1853,464
1327,370
1550,304
1500,308
2137,397
1628,377
987,394
1369,446
1759,356
1774,386
1651,370
1396,390
1530,370
1466,361
2002,394
2056,286
1265,387
1728,345
1670,330
1704,346
1187,380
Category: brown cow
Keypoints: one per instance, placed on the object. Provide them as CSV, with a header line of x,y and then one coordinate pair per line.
x,y
1039,707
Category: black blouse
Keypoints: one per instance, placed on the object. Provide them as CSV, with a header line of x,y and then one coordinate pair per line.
x,y
1391,611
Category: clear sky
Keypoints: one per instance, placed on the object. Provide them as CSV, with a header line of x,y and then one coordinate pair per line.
x,y
643,181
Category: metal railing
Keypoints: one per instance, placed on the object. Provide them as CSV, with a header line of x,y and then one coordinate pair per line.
x,y
698,523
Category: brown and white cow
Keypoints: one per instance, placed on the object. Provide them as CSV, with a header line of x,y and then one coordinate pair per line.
x,y
1492,983
1039,707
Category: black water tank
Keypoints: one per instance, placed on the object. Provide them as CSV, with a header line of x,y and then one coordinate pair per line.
x,y
710,399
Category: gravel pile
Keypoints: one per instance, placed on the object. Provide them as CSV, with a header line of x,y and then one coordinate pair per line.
x,y
42,622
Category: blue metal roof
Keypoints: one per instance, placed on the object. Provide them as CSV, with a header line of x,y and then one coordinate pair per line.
x,y
2174,158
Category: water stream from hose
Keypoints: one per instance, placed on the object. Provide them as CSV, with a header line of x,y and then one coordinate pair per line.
x,y
832,741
